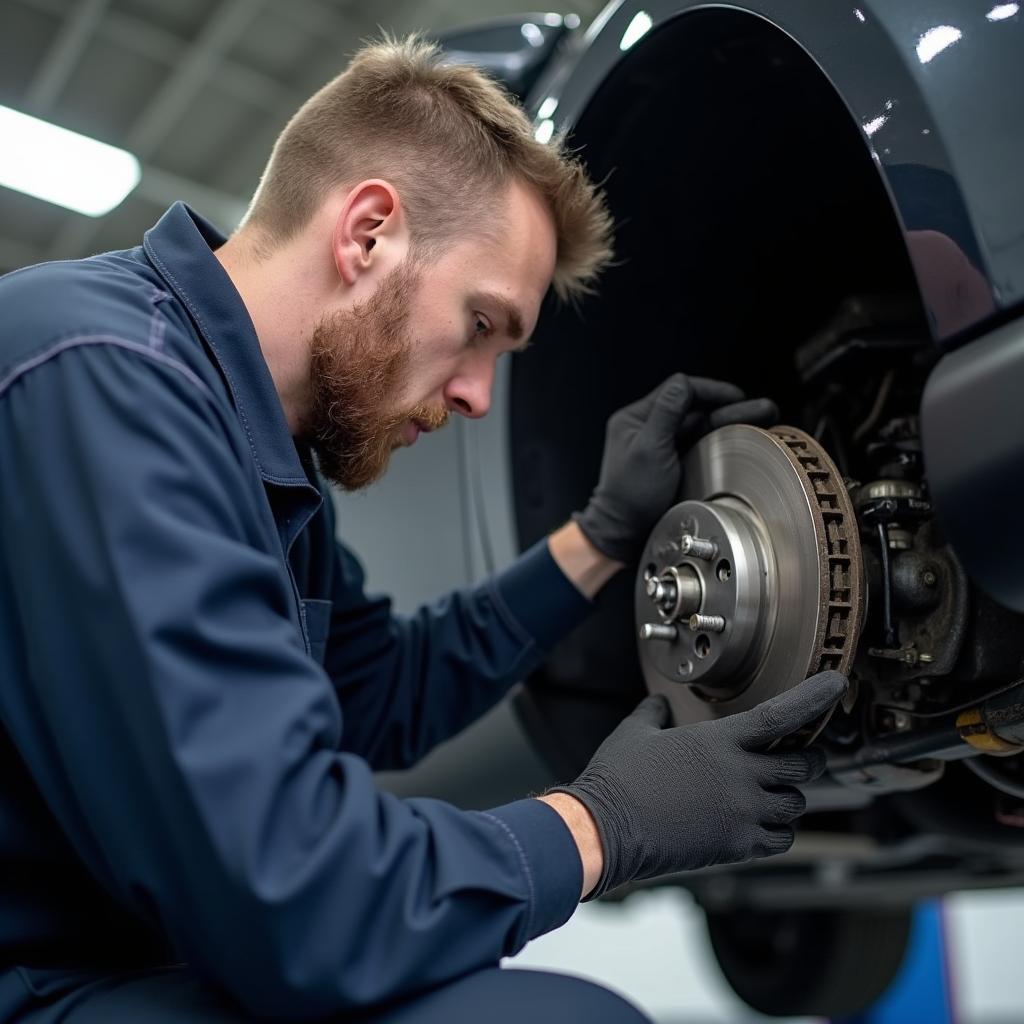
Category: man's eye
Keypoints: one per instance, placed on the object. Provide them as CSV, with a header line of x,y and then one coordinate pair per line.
x,y
481,327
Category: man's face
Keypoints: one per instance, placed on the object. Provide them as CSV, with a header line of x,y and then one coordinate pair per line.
x,y
426,342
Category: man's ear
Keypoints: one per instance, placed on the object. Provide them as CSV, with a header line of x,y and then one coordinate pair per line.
x,y
370,232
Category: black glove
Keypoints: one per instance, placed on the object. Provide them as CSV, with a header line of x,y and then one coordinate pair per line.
x,y
640,471
674,799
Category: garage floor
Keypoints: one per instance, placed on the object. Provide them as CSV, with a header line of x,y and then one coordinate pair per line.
x,y
652,949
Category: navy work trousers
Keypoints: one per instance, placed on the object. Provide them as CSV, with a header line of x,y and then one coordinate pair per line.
x,y
175,996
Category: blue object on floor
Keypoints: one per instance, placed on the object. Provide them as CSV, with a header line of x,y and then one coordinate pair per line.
x,y
921,991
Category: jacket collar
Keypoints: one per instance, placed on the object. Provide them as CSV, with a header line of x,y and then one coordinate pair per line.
x,y
181,246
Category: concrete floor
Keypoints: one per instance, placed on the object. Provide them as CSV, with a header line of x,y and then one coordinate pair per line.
x,y
652,949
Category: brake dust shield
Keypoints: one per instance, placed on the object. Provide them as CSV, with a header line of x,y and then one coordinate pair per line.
x,y
754,581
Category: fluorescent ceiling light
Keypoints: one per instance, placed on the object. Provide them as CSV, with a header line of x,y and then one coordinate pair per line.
x,y
63,167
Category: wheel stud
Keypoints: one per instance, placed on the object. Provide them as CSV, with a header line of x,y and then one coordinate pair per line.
x,y
707,623
698,547
657,631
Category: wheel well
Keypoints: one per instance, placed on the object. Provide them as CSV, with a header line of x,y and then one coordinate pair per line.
x,y
747,208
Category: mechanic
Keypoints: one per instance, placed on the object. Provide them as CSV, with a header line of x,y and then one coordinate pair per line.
x,y
195,688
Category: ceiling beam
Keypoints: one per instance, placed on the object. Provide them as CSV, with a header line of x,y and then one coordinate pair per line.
x,y
191,75
349,27
157,44
168,106
64,54
167,49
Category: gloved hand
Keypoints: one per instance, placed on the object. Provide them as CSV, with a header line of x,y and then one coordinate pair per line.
x,y
673,799
640,470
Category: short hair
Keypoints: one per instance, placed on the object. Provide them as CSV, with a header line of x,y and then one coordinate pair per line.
x,y
448,137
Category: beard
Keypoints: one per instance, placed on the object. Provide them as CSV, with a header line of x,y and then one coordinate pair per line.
x,y
360,361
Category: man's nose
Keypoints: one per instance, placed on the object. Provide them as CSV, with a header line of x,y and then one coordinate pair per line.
x,y
469,393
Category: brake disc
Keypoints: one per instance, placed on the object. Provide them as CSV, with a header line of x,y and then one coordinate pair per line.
x,y
754,581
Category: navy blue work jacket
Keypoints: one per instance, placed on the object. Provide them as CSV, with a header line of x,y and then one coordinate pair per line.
x,y
194,687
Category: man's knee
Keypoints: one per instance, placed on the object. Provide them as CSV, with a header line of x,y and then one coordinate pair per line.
x,y
514,997
565,998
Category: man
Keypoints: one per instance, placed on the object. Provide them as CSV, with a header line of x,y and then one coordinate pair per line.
x,y
195,688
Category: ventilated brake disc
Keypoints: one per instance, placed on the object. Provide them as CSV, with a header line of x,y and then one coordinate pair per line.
x,y
755,580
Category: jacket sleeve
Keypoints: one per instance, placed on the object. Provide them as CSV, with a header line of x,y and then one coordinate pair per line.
x,y
408,682
186,743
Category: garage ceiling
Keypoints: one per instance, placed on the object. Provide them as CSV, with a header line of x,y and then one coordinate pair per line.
x,y
197,90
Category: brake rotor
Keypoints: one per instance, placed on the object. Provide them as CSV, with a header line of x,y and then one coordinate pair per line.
x,y
754,581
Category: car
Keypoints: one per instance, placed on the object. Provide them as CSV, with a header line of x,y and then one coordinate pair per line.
x,y
824,202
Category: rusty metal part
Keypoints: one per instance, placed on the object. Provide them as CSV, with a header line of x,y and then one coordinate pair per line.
x,y
786,585
842,568
934,621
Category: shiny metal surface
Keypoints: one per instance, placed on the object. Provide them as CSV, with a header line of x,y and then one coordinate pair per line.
x,y
698,547
513,49
658,631
791,602
731,614
937,90
888,489
676,593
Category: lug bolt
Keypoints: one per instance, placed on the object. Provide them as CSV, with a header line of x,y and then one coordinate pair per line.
x,y
657,631
698,547
707,623
929,578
